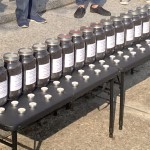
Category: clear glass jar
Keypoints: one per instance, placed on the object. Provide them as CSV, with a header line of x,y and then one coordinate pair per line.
x,y
55,51
145,22
79,48
3,84
28,69
110,36
119,32
100,40
129,29
14,70
90,44
42,63
137,25
68,53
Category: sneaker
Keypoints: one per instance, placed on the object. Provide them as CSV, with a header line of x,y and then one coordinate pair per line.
x,y
80,12
100,10
23,23
147,1
124,2
37,19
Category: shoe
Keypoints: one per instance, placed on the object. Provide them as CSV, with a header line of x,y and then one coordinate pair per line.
x,y
37,19
124,2
147,1
23,23
80,12
100,10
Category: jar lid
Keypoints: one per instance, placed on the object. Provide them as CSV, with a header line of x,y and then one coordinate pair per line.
x,y
52,41
25,51
1,62
96,25
106,22
64,37
11,56
39,46
86,29
116,18
75,33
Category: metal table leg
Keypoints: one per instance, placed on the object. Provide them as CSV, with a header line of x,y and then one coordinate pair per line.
x,y
14,140
122,100
111,119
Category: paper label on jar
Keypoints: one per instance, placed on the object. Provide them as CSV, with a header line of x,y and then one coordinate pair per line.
x,y
138,31
57,65
129,34
3,89
91,50
44,71
101,46
146,27
120,38
69,60
80,55
110,41
16,82
30,76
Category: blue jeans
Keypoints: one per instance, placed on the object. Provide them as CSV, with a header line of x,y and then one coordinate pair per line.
x,y
82,2
26,8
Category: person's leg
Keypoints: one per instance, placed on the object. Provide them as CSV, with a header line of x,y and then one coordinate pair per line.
x,y
80,12
96,8
32,12
22,13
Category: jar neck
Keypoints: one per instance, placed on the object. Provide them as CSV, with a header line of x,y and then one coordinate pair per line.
x,y
77,38
65,42
53,48
11,62
87,34
26,56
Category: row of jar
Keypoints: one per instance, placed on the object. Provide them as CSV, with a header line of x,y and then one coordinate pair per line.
x,y
48,61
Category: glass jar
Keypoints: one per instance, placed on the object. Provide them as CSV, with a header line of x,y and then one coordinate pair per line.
x,y
100,40
137,25
42,63
28,69
129,29
79,48
3,84
110,36
14,70
55,51
119,32
148,9
68,53
145,22
90,44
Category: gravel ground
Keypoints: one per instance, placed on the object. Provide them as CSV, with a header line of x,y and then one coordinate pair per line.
x,y
85,126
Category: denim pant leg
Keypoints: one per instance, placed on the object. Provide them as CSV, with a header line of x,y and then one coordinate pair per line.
x,y
96,2
81,2
32,8
22,9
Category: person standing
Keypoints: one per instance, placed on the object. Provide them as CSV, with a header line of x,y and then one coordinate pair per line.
x,y
27,10
95,8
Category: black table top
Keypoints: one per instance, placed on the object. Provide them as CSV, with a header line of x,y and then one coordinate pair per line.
x,y
133,61
11,120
